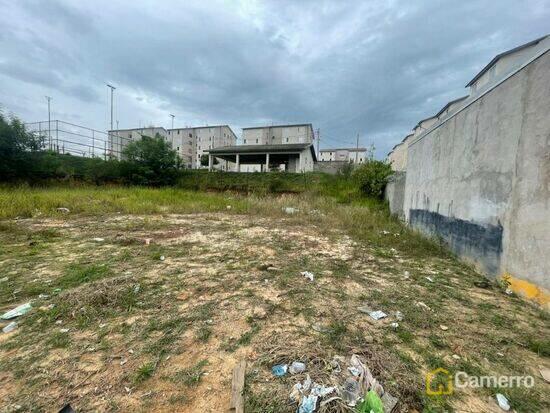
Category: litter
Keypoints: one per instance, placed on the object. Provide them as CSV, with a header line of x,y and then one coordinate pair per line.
x,y
17,311
279,370
456,356
430,279
394,325
545,373
162,258
297,367
98,239
10,327
64,210
399,315
43,296
443,327
377,315
385,232
509,291
423,305
371,404
308,275
308,404
228,207
503,402
137,288
63,330
407,275
147,241
290,210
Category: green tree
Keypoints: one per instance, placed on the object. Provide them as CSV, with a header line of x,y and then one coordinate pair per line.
x,y
204,160
150,161
17,146
372,177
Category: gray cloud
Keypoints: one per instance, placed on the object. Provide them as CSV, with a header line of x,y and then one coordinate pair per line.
x,y
373,68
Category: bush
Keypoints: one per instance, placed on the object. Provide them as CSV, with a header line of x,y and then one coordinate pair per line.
x,y
372,177
150,161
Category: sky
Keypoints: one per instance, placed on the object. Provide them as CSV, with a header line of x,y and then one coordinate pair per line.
x,y
373,68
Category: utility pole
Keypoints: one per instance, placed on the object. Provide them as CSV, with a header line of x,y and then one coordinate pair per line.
x,y
48,98
318,142
111,139
173,116
357,150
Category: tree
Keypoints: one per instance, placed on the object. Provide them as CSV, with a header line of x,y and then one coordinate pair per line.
x,y
16,148
204,160
372,177
150,161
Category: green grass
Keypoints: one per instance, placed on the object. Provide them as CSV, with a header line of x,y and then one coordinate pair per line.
x,y
191,376
77,274
144,372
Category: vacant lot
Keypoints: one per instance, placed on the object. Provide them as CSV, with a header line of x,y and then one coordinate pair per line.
x,y
144,300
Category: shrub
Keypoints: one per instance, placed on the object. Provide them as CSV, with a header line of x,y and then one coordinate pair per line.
x,y
372,176
150,161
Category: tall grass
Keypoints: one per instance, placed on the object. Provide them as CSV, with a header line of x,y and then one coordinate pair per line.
x,y
27,202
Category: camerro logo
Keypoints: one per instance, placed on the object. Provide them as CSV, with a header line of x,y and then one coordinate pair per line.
x,y
441,382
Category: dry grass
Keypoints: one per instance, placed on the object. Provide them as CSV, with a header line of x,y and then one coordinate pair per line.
x,y
146,334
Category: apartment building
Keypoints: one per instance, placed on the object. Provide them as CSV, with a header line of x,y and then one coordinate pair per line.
x,y
283,147
352,155
193,141
278,135
189,142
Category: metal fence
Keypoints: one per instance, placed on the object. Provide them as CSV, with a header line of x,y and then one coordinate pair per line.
x,y
65,137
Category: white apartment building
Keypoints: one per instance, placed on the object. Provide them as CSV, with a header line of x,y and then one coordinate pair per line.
x,y
352,155
278,135
193,141
190,142
283,147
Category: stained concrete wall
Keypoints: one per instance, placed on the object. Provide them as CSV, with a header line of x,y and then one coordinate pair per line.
x,y
481,180
395,193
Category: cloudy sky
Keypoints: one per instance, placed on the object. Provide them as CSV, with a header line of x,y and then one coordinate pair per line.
x,y
368,67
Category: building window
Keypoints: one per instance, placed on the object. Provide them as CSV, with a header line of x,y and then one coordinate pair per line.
x,y
178,148
273,137
286,140
256,140
244,140
178,131
190,135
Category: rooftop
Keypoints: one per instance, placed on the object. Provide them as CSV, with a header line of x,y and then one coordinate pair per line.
x,y
280,126
501,55
444,108
344,149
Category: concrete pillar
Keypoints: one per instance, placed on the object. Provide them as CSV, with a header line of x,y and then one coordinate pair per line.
x,y
238,163
267,162
210,162
300,168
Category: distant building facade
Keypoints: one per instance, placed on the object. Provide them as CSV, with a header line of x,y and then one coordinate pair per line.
x,y
190,143
278,135
277,147
352,155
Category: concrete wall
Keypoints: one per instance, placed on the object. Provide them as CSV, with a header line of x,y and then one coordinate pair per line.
x,y
395,193
481,179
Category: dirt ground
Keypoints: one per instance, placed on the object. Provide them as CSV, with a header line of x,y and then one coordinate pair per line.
x,y
151,313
